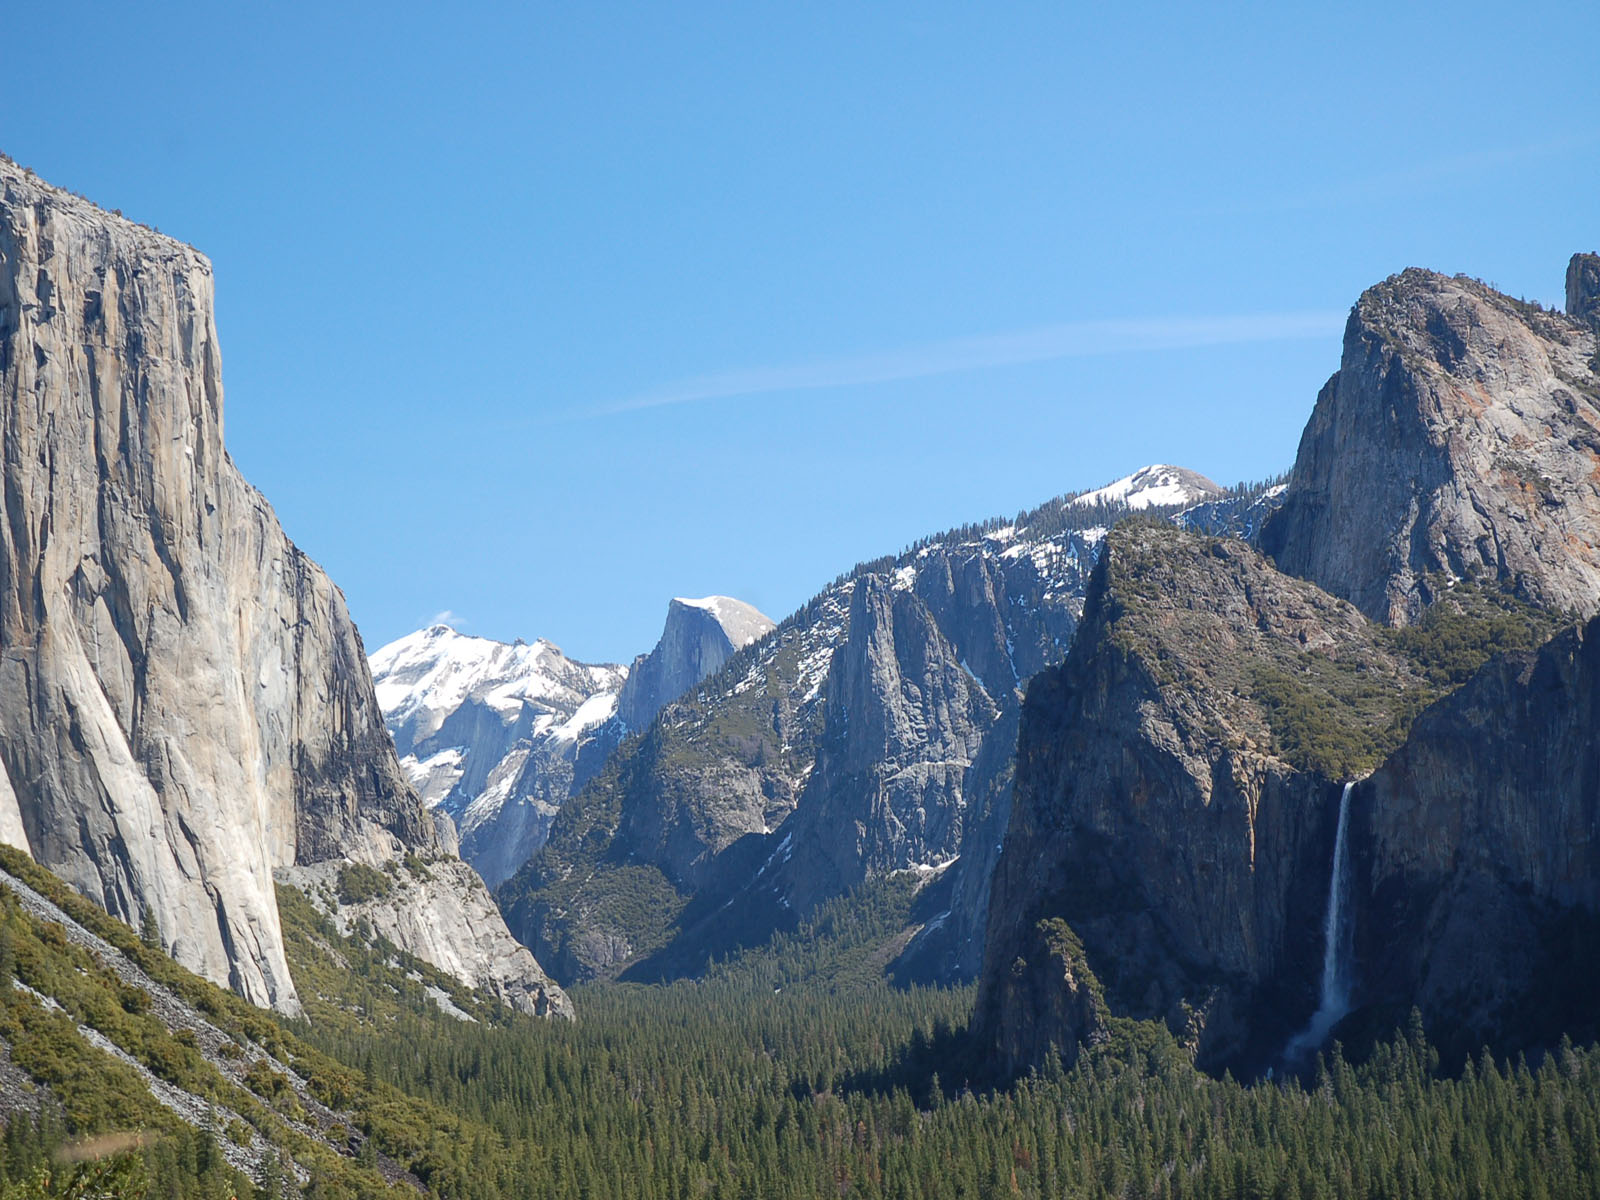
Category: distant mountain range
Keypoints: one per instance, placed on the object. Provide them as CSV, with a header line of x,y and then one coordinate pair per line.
x,y
498,736
870,732
495,736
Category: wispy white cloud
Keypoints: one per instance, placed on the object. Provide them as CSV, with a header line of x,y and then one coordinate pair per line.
x,y
447,617
1074,339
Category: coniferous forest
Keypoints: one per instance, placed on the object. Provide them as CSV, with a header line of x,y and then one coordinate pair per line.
x,y
794,1071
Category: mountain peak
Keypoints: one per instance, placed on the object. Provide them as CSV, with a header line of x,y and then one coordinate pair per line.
x,y
490,733
1159,484
742,623
699,636
1485,468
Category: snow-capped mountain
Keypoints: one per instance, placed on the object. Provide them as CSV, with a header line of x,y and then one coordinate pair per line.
x,y
498,735
1158,485
495,735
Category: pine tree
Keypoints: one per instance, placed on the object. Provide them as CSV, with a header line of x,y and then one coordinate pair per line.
x,y
150,929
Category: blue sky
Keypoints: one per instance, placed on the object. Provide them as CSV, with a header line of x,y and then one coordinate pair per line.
x,y
542,314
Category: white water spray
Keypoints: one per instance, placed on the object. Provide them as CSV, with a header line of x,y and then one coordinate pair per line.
x,y
1335,986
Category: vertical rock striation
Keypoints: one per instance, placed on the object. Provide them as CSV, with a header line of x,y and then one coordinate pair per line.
x,y
871,732
1479,897
185,705
1154,812
905,717
1174,816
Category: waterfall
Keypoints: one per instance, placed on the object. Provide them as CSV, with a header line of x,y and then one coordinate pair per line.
x,y
1335,985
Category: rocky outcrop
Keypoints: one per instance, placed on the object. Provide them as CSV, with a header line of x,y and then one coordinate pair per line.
x,y
1477,894
1177,783
870,731
1460,438
439,910
1583,289
495,736
715,770
699,636
1157,811
184,702
903,721
952,915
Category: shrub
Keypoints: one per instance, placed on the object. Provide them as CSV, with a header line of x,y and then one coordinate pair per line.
x,y
359,882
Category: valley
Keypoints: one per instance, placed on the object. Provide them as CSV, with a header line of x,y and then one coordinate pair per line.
x,y
1164,839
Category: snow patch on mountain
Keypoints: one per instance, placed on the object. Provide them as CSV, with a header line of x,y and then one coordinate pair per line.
x,y
494,734
743,623
1158,485
434,670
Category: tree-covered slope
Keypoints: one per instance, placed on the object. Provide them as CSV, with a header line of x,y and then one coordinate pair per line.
x,y
791,1072
102,1034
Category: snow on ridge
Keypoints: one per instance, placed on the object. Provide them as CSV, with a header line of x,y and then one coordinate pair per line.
x,y
1158,484
437,669
596,710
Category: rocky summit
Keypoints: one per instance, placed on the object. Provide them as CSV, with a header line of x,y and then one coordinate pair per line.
x,y
1459,439
185,705
497,736
698,637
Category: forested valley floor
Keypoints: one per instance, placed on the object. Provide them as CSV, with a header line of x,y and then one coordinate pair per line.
x,y
795,1071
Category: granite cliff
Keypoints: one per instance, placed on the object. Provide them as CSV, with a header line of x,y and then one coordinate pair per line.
x,y
185,705
1178,778
698,637
1460,438
498,736
1167,808
1477,889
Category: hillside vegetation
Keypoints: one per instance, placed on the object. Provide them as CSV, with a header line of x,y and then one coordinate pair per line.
x,y
795,1071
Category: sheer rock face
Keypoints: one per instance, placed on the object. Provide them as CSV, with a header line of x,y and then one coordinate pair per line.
x,y
1459,438
1478,893
872,732
875,732
699,636
1583,289
184,702
1152,815
904,721
1151,811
